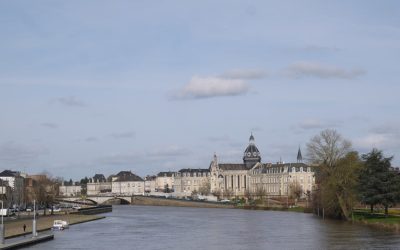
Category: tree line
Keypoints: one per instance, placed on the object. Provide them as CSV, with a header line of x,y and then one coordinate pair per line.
x,y
344,178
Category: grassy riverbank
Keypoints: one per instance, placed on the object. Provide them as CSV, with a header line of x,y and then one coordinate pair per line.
x,y
379,220
15,228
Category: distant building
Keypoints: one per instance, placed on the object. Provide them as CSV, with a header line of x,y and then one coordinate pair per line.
x,y
190,180
16,183
70,190
150,184
248,178
252,176
5,193
165,182
98,184
127,183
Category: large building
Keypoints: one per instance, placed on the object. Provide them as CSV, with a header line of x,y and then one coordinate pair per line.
x,y
17,185
98,184
248,178
127,183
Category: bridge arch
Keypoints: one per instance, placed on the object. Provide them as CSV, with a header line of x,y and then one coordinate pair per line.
x,y
122,200
85,201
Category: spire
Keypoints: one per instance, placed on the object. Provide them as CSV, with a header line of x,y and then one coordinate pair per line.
x,y
251,139
299,156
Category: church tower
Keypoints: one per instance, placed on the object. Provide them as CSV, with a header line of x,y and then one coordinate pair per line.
x,y
251,154
299,156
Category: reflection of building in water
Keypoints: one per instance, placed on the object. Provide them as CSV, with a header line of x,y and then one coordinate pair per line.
x,y
249,177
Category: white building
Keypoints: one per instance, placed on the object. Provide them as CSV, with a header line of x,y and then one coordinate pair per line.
x,y
127,183
17,184
150,184
70,190
248,178
165,182
189,181
98,184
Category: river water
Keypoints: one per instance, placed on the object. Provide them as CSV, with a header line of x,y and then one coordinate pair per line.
x,y
143,227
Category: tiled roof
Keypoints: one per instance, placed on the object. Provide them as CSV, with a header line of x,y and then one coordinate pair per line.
x,y
194,170
230,166
8,173
128,176
99,178
168,174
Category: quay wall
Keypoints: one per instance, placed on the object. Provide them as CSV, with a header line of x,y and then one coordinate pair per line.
x,y
155,201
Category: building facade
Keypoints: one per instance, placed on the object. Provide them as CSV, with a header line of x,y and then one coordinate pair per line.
x,y
189,181
127,183
165,182
17,185
248,178
70,190
150,184
98,184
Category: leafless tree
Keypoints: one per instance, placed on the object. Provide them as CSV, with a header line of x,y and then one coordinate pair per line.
x,y
327,148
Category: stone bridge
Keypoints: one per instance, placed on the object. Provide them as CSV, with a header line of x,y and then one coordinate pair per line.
x,y
98,199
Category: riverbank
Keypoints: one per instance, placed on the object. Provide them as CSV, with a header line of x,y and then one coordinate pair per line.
x,y
15,228
154,201
378,220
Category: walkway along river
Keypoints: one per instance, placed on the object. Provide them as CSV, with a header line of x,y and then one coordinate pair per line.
x,y
145,227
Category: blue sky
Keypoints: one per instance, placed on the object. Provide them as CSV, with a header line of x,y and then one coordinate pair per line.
x,y
101,86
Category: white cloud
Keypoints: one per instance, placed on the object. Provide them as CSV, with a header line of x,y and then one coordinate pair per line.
x,y
319,70
386,136
250,74
207,87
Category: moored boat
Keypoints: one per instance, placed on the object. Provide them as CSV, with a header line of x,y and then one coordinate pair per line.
x,y
60,225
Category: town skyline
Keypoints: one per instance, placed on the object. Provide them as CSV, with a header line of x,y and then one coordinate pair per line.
x,y
95,87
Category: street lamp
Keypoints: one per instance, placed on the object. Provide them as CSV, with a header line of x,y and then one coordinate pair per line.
x,y
2,224
34,234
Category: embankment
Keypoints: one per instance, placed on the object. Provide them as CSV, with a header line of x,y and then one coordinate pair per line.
x,y
155,201
15,228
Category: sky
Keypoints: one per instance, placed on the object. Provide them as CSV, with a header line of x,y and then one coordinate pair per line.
x,y
92,87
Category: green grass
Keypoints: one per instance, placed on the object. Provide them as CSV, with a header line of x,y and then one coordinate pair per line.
x,y
296,209
360,215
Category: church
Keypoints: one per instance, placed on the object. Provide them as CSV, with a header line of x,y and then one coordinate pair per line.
x,y
247,178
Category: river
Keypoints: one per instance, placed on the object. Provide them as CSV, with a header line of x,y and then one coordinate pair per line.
x,y
143,227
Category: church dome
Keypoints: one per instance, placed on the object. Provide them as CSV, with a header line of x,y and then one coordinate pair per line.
x,y
252,151
251,154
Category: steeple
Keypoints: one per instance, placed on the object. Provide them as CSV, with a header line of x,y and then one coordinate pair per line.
x,y
299,156
251,139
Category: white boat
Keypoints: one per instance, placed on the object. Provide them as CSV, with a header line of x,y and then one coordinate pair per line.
x,y
60,225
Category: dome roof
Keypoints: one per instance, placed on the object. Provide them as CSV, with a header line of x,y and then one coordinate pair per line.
x,y
251,149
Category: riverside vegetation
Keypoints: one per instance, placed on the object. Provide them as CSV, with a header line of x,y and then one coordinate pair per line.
x,y
346,182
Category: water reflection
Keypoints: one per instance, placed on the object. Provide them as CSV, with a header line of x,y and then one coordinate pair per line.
x,y
141,227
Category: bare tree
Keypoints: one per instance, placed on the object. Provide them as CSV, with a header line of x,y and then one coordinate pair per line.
x,y
260,192
205,188
327,148
295,190
228,193
336,173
